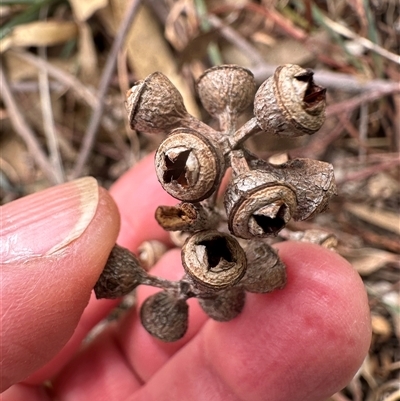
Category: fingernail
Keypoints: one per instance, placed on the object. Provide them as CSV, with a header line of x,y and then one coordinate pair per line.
x,y
43,223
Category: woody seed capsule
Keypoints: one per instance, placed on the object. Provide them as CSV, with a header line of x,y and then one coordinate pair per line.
x,y
165,316
188,165
257,205
154,105
121,275
289,103
313,180
225,305
213,260
226,91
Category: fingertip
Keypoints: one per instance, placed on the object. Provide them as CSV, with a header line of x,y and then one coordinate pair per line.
x,y
45,294
305,341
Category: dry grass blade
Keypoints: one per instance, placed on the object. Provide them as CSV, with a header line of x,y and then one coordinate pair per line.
x,y
383,219
23,129
48,117
83,92
342,30
40,33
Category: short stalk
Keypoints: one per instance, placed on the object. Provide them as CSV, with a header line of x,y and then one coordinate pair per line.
x,y
227,123
244,133
238,162
159,282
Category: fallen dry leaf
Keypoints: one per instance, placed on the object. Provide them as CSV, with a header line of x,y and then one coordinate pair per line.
x,y
369,260
85,9
39,33
147,49
87,55
381,326
378,217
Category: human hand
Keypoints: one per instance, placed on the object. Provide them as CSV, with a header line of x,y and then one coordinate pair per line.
x,y
304,342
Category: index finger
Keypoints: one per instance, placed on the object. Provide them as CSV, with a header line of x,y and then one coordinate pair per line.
x,y
137,194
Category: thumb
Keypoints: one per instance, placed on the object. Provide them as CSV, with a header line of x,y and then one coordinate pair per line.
x,y
54,245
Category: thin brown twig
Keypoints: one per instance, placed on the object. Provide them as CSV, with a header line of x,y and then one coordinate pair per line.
x,y
70,81
90,134
357,101
335,80
284,23
48,127
48,121
363,130
47,112
133,155
67,79
328,79
369,171
236,39
33,86
366,43
24,130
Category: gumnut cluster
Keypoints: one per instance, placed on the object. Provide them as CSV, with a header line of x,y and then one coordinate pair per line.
x,y
225,252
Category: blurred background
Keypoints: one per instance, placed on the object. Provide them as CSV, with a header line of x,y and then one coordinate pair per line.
x,y
66,66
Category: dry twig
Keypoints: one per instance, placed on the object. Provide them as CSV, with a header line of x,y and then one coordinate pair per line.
x,y
23,129
48,122
90,134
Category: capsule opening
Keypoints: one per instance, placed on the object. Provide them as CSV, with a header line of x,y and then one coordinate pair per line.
x,y
219,255
272,225
175,168
314,93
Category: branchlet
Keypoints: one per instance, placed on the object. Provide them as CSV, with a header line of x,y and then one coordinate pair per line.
x,y
226,252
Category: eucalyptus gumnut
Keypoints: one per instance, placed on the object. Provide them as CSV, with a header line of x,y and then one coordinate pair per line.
x,y
289,103
259,201
121,275
258,205
154,105
189,165
213,261
165,316
265,271
313,180
187,217
226,91
225,305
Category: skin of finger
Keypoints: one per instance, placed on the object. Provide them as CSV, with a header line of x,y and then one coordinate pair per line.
x,y
138,345
96,310
20,392
134,344
100,372
44,306
134,229
303,342
145,353
138,194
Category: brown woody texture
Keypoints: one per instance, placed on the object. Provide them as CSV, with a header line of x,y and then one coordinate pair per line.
x,y
227,250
